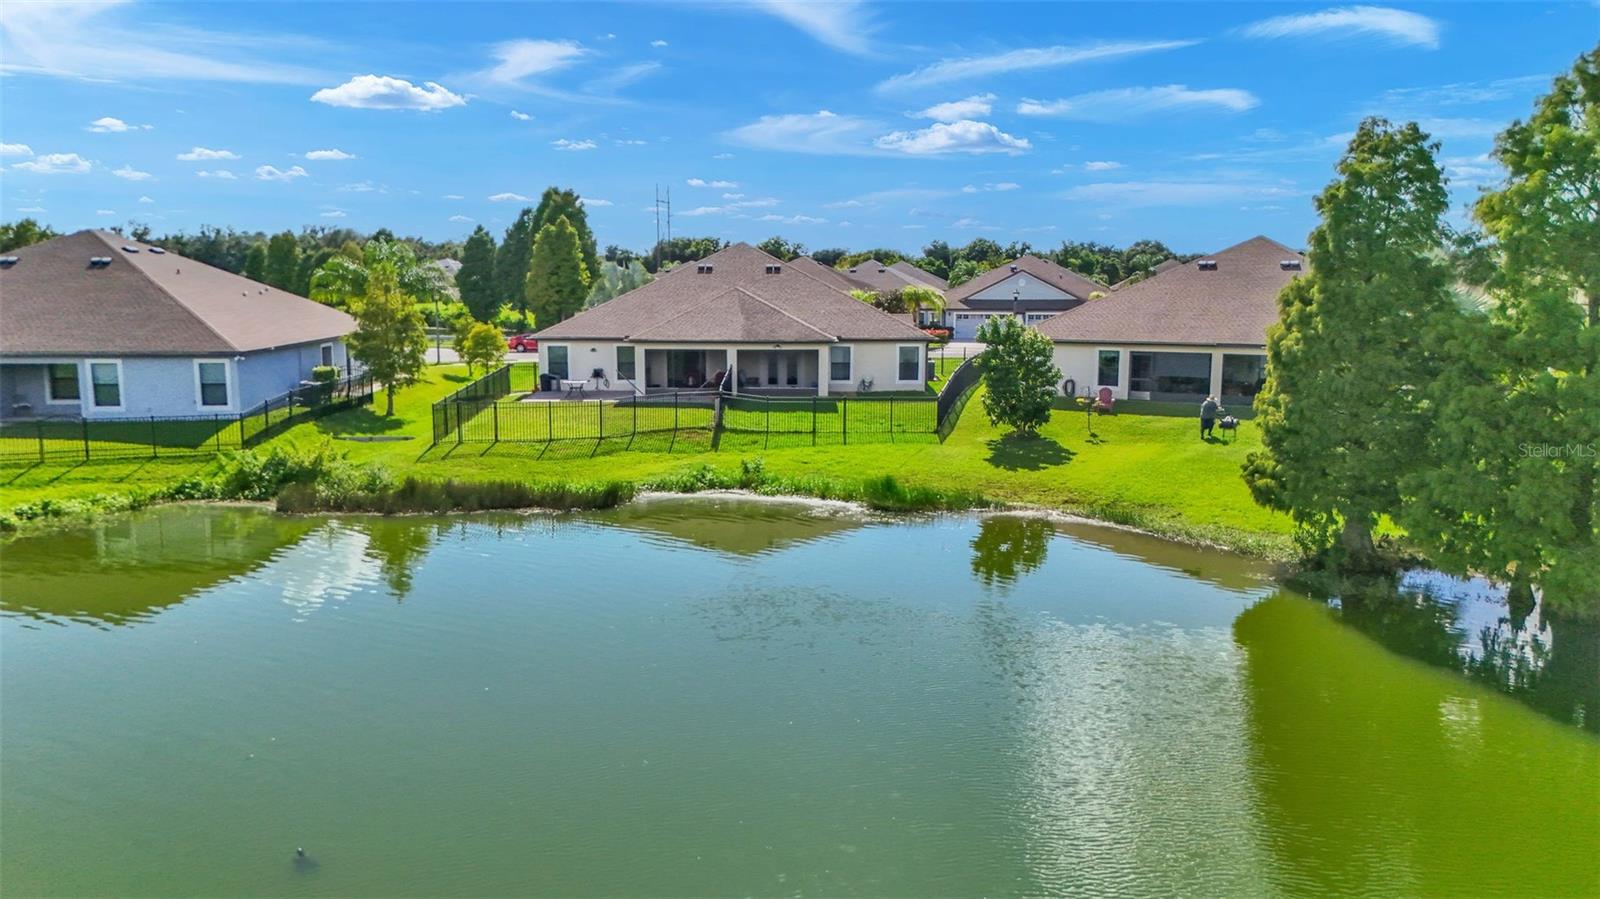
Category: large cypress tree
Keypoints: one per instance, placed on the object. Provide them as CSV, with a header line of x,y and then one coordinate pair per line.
x,y
475,280
255,262
283,261
557,281
1342,415
558,203
512,258
1513,490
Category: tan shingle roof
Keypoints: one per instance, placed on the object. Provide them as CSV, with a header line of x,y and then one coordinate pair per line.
x,y
1231,306
52,302
917,274
643,314
1046,271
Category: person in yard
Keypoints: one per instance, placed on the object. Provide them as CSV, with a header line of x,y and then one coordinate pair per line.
x,y
1208,416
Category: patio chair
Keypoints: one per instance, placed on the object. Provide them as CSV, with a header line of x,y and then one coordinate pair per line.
x,y
1105,402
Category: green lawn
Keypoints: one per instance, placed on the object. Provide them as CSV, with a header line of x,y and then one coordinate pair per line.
x,y
1150,470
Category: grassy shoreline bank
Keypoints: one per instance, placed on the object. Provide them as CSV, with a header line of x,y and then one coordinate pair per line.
x,y
1150,472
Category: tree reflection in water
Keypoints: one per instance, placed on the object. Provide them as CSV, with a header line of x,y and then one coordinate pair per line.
x,y
1008,547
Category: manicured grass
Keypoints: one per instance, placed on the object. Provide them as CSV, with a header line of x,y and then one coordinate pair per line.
x,y
1150,471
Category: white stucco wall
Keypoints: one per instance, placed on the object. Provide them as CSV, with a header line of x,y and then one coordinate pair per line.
x,y
1027,287
878,360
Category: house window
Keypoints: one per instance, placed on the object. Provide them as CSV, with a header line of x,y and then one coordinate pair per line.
x,y
1110,373
910,364
61,383
105,379
212,378
1243,375
839,363
327,354
625,362
557,361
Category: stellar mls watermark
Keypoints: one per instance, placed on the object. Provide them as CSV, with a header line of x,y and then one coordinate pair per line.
x,y
1558,450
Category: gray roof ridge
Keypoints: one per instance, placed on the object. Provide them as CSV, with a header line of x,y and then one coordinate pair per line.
x,y
106,238
719,295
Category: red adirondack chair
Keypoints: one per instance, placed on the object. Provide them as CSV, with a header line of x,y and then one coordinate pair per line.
x,y
1106,401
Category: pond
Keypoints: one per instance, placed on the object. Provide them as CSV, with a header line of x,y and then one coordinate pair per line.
x,y
695,697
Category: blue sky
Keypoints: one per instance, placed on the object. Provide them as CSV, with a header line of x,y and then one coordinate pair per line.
x,y
844,124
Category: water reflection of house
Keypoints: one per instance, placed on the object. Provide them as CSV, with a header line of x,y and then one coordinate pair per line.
x,y
120,571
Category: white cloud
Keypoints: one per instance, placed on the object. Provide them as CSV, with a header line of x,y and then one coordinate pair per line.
x,y
454,197
1465,93
34,209
384,92
131,174
461,219
822,132
629,142
701,182
1125,103
965,136
1393,25
329,155
1002,186
15,150
955,110
1478,169
55,164
146,200
965,222
1136,194
792,219
105,212
359,187
658,43
1461,129
572,145
508,196
107,125
947,70
222,174
200,153
1101,165
521,116
843,25
760,203
594,202
519,59
273,173
104,42
733,196
334,214
722,156
969,189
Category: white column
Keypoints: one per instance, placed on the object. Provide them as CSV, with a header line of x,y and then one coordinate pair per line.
x,y
733,368
1216,374
822,372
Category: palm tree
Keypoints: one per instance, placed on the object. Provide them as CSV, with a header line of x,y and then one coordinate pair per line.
x,y
918,298
342,277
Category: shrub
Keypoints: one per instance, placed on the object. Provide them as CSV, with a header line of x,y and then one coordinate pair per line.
x,y
325,374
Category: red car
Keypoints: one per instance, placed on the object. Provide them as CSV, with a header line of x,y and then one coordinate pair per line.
x,y
522,343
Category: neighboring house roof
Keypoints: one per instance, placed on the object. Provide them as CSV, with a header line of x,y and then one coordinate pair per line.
x,y
53,301
827,274
448,266
916,274
1070,282
875,276
1230,305
736,301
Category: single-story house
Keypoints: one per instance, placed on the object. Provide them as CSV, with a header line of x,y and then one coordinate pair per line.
x,y
775,326
1195,329
916,274
94,325
1030,287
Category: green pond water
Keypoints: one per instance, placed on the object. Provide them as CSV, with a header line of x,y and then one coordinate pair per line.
x,y
693,697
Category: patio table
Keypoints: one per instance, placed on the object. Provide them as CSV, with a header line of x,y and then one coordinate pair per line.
x,y
574,386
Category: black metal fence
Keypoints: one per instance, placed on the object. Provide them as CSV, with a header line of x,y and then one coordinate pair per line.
x,y
84,439
955,393
828,419
481,413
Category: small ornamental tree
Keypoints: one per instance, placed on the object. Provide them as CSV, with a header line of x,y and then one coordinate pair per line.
x,y
1019,374
389,339
480,345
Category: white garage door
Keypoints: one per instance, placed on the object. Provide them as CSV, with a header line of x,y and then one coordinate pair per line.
x,y
966,325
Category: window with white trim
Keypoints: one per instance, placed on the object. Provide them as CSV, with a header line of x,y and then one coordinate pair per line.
x,y
211,383
627,366
105,381
556,359
327,354
61,383
910,364
839,363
